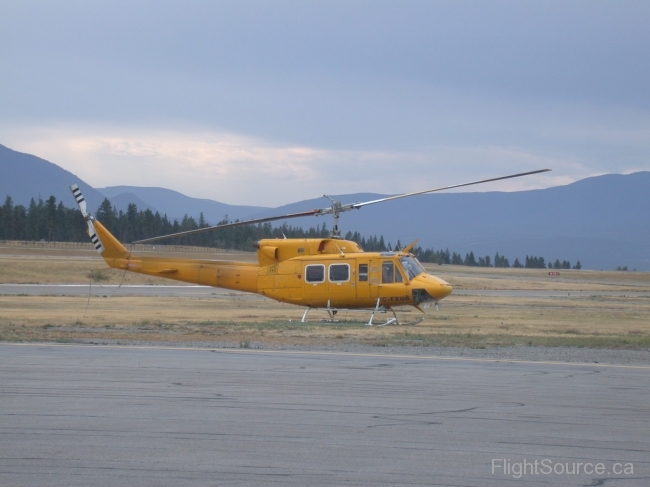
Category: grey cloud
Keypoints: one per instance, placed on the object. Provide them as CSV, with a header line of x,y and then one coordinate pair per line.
x,y
575,49
354,75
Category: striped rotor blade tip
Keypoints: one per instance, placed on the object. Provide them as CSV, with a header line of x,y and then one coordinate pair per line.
x,y
94,238
76,192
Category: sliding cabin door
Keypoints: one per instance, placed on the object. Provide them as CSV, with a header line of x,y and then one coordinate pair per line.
x,y
315,283
341,287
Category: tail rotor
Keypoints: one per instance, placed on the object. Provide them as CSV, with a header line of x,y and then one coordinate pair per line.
x,y
76,192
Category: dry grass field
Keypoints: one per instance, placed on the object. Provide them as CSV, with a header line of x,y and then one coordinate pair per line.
x,y
50,265
612,321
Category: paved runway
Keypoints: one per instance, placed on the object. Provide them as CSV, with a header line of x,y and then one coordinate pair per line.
x,y
198,291
111,416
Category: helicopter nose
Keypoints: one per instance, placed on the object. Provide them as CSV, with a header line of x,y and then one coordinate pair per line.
x,y
445,290
434,286
439,290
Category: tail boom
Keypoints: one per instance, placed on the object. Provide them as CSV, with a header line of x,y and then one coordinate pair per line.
x,y
240,276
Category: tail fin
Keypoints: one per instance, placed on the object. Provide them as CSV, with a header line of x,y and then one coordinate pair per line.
x,y
113,249
105,243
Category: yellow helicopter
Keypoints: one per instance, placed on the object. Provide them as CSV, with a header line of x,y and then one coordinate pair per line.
x,y
326,273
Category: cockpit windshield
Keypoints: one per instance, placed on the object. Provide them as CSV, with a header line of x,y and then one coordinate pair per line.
x,y
412,267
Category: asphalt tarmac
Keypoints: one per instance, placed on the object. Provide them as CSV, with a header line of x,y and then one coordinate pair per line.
x,y
199,291
127,416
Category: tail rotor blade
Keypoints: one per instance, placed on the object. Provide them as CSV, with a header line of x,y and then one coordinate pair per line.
x,y
76,192
81,201
94,238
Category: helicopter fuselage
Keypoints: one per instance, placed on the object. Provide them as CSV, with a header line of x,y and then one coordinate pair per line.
x,y
316,273
326,273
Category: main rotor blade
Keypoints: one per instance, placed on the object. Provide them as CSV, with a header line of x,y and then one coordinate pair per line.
x,y
233,224
359,205
335,209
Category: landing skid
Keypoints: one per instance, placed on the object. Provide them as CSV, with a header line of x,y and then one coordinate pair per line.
x,y
377,309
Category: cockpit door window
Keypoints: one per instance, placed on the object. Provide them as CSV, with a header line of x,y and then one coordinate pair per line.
x,y
398,276
387,269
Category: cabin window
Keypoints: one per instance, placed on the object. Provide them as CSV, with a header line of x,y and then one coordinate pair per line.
x,y
315,273
363,272
339,272
387,272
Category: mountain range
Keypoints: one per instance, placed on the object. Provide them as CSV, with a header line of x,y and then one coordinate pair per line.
x,y
601,221
176,205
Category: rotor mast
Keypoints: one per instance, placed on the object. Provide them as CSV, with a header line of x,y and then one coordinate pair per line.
x,y
336,209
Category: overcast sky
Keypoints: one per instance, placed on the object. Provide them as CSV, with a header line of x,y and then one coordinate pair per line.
x,y
265,103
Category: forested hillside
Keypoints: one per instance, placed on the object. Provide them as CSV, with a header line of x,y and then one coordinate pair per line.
x,y
52,221
600,220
